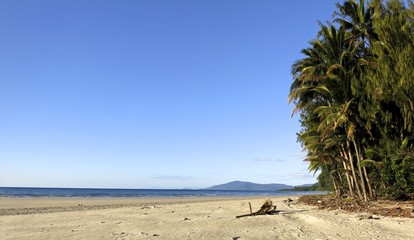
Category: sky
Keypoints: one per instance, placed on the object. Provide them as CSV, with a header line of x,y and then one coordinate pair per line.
x,y
151,93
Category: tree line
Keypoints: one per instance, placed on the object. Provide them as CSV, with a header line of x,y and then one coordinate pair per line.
x,y
354,92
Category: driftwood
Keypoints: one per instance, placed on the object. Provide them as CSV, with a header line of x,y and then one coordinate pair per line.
x,y
289,200
267,208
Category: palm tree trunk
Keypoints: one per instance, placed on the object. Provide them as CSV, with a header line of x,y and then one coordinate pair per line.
x,y
346,170
340,176
337,190
351,161
370,189
349,169
361,174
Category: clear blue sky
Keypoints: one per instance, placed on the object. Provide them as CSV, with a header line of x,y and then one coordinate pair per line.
x,y
151,93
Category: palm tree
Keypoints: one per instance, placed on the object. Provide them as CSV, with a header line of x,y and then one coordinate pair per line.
x,y
354,91
357,18
328,78
321,83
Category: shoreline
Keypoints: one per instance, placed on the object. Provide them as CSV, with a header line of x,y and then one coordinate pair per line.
x,y
35,205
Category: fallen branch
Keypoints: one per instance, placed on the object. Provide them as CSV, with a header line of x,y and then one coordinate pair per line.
x,y
267,208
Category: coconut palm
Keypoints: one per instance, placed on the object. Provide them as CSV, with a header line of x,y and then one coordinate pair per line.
x,y
322,82
357,17
354,91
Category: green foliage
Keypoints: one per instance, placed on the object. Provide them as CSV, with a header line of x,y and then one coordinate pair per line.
x,y
314,187
399,177
325,180
354,90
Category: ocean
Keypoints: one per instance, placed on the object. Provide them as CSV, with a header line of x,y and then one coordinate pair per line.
x,y
100,192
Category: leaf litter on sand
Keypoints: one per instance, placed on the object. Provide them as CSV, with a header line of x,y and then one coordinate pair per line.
x,y
386,208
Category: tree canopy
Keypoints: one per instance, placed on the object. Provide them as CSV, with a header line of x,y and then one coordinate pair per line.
x,y
354,92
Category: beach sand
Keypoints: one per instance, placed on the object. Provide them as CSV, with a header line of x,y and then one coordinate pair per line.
x,y
185,218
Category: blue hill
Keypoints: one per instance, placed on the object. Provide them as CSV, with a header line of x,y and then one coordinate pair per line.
x,y
248,186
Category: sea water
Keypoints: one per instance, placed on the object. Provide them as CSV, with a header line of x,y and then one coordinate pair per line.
x,y
101,192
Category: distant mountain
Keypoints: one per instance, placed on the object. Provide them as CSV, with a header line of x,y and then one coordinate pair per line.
x,y
248,186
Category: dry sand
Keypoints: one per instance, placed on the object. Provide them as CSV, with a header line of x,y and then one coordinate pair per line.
x,y
185,218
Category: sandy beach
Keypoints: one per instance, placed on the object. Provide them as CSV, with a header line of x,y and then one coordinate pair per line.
x,y
185,218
